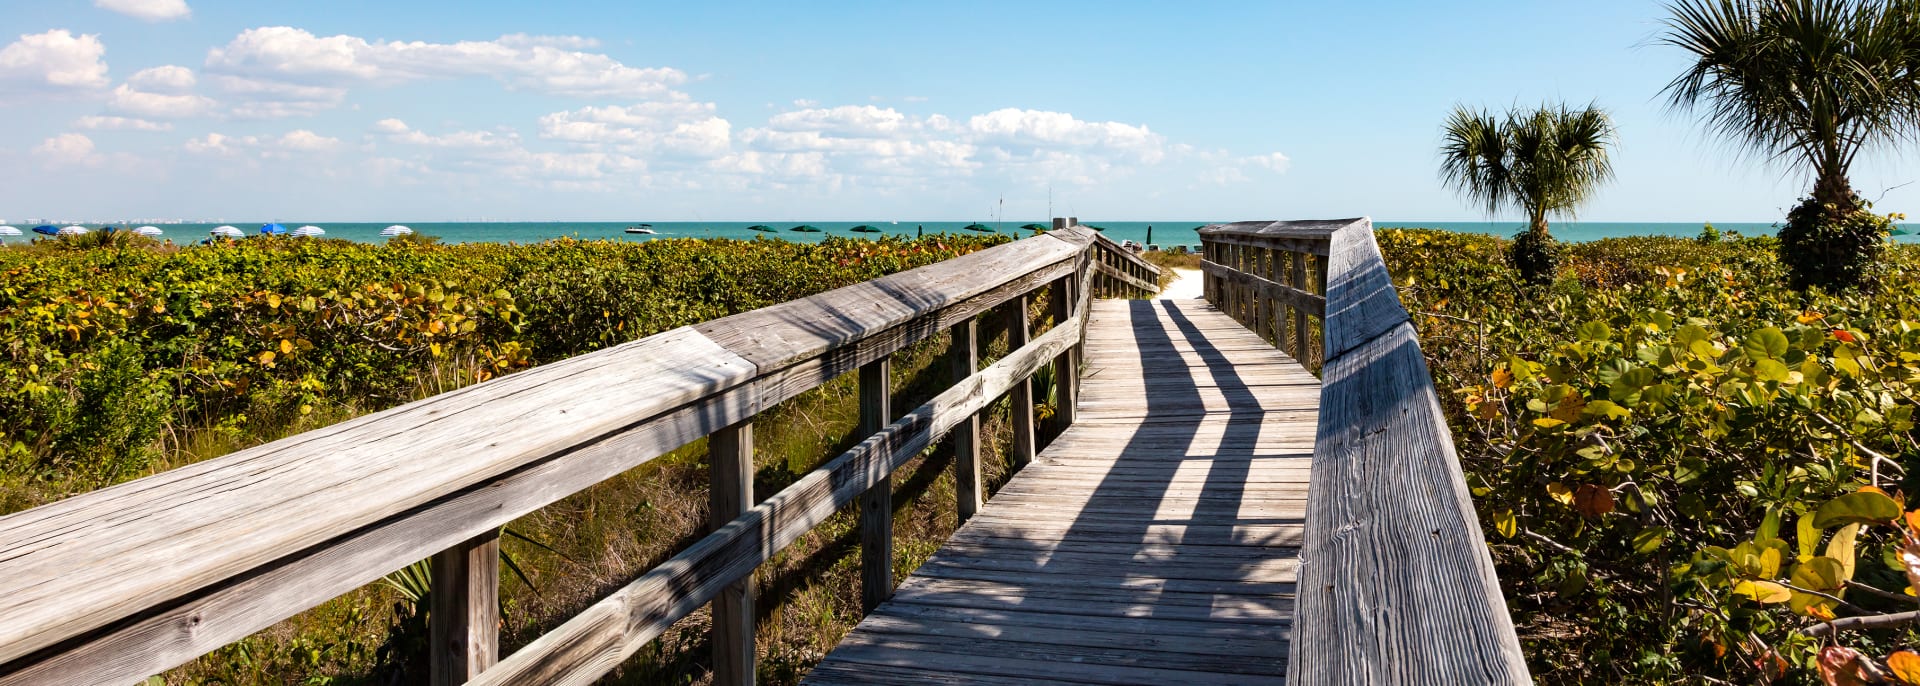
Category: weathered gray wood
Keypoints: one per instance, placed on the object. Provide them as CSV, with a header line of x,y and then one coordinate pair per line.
x,y
1022,396
78,565
730,493
175,633
1129,551
963,355
876,505
1301,330
463,625
1261,289
1401,590
1066,368
596,640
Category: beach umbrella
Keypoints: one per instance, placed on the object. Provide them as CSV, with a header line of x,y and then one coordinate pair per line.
x,y
982,228
1149,234
272,229
1036,228
396,230
806,228
308,231
47,230
9,231
762,228
226,232
74,231
919,230
149,231
863,228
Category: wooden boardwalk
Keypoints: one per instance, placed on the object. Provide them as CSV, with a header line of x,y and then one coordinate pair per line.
x,y
1155,542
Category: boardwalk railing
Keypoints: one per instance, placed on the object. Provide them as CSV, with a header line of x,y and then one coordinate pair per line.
x,y
115,585
1395,583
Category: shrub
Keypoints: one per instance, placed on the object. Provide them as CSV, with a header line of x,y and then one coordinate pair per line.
x,y
1830,249
1536,256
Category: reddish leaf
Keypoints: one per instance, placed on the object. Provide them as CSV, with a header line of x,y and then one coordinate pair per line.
x,y
1592,500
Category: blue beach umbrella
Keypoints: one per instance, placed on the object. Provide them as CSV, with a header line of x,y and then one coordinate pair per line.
x,y
272,229
47,230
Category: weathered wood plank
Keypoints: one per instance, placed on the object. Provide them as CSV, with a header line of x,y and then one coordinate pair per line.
x,y
615,627
1263,288
80,564
463,625
963,356
876,505
1021,399
730,493
1402,590
1137,547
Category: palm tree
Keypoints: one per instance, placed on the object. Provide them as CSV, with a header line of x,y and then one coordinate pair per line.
x,y
1807,83
1543,162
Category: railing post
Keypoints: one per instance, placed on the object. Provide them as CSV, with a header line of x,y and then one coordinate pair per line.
x,y
730,493
1300,330
1066,366
964,356
463,621
1021,412
1207,289
1280,309
876,505
1261,299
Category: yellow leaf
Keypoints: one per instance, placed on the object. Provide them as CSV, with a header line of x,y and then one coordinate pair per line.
x,y
436,349
1810,316
273,300
1505,523
286,346
1559,492
266,358
1906,667
1841,549
1547,422
1502,378
1763,592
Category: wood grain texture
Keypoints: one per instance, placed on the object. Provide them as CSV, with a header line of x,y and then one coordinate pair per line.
x,y
876,505
1265,289
730,493
1131,551
595,641
463,623
963,357
1021,398
1066,375
1397,587
176,632
78,565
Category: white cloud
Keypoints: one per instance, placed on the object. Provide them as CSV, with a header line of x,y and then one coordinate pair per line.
x,y
398,132
158,105
545,64
297,141
163,79
56,60
99,123
265,99
67,149
678,127
150,10
1272,161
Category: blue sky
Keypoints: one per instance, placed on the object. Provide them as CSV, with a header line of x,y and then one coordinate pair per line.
x,y
428,111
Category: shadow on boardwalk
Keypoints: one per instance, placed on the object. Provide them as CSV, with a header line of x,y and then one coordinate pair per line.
x,y
1153,542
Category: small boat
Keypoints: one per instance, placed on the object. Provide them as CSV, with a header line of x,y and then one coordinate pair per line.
x,y
643,228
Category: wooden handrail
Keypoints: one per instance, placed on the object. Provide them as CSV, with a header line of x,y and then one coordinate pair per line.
x,y
124,582
1396,586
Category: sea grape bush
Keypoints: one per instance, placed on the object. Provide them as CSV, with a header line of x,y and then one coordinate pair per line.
x,y
1683,466
114,357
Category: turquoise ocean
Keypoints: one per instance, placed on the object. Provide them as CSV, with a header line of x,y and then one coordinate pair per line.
x,y
1163,232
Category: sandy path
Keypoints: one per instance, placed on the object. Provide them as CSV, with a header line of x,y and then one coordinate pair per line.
x,y
1186,285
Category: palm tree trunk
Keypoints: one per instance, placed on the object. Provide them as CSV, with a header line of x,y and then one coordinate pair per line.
x,y
1833,190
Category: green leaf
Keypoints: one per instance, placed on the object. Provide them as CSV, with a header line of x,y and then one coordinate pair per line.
x,y
1767,343
1597,332
1649,540
1770,370
1605,408
1864,507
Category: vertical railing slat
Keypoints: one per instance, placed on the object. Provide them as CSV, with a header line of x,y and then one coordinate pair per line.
x,y
730,493
463,624
963,355
876,505
1021,412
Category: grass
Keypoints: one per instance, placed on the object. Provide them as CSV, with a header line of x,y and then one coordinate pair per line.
x,y
1168,262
